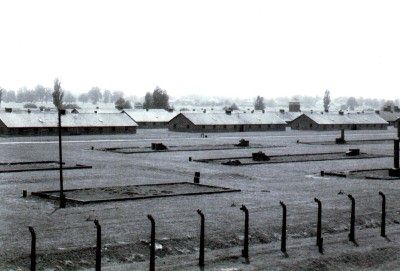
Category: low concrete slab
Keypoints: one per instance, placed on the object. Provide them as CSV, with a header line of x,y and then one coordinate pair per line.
x,y
374,174
133,192
288,158
133,150
26,166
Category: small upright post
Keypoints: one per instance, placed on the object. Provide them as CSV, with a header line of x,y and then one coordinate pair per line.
x,y
319,225
283,238
245,251
383,218
33,249
201,250
352,237
152,243
396,153
62,196
98,245
398,130
196,178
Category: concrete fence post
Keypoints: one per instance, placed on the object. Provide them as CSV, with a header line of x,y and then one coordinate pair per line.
x,y
352,237
201,250
283,238
33,249
245,251
383,217
98,245
152,244
319,226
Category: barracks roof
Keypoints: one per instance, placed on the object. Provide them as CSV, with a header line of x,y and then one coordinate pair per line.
x,y
46,119
233,118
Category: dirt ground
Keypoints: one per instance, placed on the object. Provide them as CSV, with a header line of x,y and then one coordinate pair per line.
x,y
66,237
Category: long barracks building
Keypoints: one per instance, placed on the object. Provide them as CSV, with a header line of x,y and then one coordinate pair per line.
x,y
46,123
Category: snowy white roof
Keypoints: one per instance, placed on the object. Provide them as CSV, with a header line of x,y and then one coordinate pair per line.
x,y
346,118
233,118
93,110
288,116
151,115
389,116
46,119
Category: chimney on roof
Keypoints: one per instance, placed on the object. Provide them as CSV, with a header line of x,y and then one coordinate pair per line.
x,y
204,111
341,112
312,111
294,106
377,111
263,111
228,112
29,111
252,111
147,109
8,109
282,111
95,111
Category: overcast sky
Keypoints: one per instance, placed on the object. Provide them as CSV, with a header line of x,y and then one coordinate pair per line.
x,y
219,48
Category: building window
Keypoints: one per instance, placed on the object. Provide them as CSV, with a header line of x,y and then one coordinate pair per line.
x,y
187,126
154,124
113,129
126,128
214,126
224,126
174,125
259,126
234,126
203,126
310,125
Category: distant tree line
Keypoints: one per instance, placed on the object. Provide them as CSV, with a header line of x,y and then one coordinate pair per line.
x,y
44,95
159,99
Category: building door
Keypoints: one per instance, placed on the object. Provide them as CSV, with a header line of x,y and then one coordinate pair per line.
x,y
241,128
